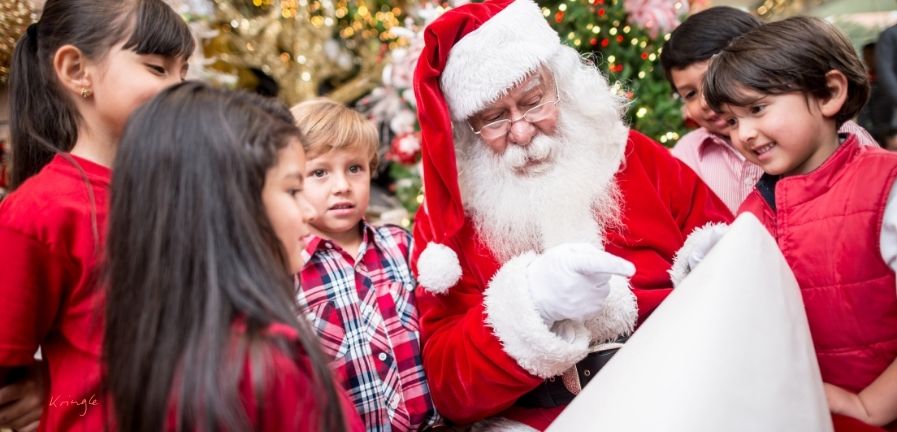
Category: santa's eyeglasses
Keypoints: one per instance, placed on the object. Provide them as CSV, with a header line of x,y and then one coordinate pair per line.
x,y
500,128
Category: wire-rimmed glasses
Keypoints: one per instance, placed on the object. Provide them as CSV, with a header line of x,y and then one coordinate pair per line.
x,y
500,128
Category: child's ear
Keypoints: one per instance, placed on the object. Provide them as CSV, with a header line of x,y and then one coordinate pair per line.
x,y
836,82
70,65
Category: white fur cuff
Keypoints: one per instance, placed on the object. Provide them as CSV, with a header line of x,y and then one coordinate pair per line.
x,y
619,314
525,336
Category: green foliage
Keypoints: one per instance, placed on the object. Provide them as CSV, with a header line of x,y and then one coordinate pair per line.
x,y
407,185
628,55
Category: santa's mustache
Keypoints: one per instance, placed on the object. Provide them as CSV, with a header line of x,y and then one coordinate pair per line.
x,y
516,157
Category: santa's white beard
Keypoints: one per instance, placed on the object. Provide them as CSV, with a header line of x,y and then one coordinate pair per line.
x,y
570,198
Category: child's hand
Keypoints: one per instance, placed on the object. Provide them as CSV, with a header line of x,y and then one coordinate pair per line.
x,y
696,247
843,402
22,402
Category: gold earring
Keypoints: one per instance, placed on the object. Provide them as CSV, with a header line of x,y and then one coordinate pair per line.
x,y
85,92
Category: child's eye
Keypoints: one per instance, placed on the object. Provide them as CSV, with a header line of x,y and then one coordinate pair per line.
x,y
732,121
688,95
757,109
356,169
294,192
156,68
318,173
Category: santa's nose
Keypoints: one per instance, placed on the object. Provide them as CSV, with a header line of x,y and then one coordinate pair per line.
x,y
522,132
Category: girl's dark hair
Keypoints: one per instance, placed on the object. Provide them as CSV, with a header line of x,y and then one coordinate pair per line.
x,y
43,120
792,55
702,35
190,252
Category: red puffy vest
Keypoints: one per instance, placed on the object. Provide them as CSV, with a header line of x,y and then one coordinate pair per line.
x,y
828,225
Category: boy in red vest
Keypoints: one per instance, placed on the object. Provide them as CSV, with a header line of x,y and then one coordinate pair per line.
x,y
785,89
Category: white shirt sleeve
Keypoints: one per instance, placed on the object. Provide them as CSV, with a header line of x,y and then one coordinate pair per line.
x,y
889,230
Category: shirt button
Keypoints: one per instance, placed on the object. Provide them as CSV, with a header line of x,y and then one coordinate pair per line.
x,y
382,357
394,402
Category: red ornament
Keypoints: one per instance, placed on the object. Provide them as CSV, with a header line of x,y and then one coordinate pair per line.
x,y
644,56
559,17
405,148
593,41
604,43
618,68
601,12
619,38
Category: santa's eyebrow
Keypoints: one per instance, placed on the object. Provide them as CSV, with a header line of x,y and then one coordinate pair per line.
x,y
533,83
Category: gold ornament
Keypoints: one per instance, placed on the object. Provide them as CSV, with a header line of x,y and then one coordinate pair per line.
x,y
778,9
301,45
15,16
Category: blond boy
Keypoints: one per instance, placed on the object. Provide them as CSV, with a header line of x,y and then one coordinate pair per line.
x,y
356,284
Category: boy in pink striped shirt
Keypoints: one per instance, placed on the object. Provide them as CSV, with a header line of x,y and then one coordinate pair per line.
x,y
708,150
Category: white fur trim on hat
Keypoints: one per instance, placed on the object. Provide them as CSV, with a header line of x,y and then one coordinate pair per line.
x,y
491,59
524,335
619,314
438,268
699,242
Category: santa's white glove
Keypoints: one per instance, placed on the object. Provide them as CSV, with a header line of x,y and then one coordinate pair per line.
x,y
704,243
570,281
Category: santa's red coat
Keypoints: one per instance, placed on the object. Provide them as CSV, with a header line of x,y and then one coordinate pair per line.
x,y
471,375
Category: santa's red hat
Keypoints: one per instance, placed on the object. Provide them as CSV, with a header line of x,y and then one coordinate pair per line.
x,y
473,55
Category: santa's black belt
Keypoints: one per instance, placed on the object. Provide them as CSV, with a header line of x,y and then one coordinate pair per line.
x,y
561,389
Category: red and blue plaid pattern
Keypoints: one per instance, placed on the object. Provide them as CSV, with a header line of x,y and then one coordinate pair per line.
x,y
364,313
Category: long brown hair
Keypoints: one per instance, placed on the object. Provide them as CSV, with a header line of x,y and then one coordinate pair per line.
x,y
191,251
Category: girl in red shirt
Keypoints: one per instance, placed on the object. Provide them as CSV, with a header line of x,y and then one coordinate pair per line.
x,y
207,224
76,75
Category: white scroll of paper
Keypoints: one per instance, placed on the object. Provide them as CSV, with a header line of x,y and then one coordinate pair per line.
x,y
728,350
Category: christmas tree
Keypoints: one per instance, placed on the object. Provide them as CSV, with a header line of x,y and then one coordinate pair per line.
x,y
624,38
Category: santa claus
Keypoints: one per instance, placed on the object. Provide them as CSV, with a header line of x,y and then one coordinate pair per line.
x,y
549,228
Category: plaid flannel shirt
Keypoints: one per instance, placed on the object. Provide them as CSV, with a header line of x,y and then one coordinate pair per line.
x,y
364,312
